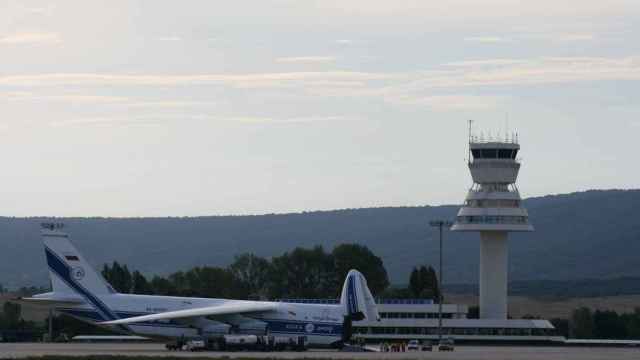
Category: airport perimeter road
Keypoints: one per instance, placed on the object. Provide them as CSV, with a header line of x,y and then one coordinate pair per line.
x,y
461,353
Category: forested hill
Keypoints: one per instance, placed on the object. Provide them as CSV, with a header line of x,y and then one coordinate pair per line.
x,y
593,234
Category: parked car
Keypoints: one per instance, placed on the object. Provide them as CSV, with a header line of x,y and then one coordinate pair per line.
x,y
427,346
446,345
195,345
414,345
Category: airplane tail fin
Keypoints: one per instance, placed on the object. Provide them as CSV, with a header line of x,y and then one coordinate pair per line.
x,y
70,273
356,298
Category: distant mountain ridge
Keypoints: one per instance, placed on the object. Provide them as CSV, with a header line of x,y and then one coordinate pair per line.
x,y
593,235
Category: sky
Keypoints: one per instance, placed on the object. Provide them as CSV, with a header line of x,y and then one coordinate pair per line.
x,y
185,108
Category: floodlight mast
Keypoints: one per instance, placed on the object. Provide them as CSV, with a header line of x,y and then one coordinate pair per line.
x,y
440,224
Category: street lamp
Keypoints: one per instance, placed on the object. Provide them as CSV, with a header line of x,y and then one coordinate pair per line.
x,y
440,224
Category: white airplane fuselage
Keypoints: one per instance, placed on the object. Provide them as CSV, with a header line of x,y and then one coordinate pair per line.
x,y
321,324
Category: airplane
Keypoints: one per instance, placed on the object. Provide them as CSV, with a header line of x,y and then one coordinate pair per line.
x,y
81,292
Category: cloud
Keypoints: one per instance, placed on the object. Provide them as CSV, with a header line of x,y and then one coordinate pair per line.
x,y
159,119
486,62
576,37
546,70
272,120
344,41
239,80
127,120
31,38
75,98
168,104
448,102
27,96
486,39
170,38
306,59
418,87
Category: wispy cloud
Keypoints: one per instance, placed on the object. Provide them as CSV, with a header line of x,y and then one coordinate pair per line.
x,y
45,10
485,62
170,38
344,41
448,102
30,38
27,96
576,37
548,70
418,87
306,59
168,104
486,39
75,98
274,120
240,80
159,119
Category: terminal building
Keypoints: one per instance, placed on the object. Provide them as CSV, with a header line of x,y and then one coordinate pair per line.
x,y
418,319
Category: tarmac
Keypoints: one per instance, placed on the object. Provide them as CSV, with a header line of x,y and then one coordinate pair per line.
x,y
24,350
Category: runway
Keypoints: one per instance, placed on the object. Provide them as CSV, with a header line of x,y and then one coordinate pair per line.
x,y
24,350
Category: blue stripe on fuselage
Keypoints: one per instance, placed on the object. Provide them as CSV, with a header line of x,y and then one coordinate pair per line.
x,y
352,299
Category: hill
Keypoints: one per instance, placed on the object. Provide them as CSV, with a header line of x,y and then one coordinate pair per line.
x,y
594,234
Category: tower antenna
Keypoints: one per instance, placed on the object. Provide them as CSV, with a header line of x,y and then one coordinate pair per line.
x,y
470,141
506,126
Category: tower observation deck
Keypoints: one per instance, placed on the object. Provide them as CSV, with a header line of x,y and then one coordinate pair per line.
x,y
493,207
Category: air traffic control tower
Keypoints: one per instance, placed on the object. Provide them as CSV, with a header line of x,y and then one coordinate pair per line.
x,y
493,207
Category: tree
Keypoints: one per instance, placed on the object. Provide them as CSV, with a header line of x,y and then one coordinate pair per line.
x,y
2,290
162,286
608,325
253,271
359,257
140,284
215,282
303,273
423,283
415,282
561,325
12,314
432,283
632,322
582,324
118,277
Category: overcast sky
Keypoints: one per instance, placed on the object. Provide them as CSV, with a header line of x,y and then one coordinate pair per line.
x,y
156,108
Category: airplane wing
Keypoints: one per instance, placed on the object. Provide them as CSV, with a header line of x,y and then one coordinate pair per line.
x,y
224,309
48,302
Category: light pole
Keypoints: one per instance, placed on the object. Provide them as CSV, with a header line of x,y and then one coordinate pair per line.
x,y
440,224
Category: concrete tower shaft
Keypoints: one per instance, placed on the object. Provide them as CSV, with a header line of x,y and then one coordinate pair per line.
x,y
493,207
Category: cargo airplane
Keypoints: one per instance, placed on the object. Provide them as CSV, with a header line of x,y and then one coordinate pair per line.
x,y
81,292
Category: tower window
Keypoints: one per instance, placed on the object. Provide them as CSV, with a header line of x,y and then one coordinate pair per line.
x,y
494,153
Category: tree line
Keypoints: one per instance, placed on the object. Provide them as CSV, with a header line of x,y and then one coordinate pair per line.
x,y
604,324
301,273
